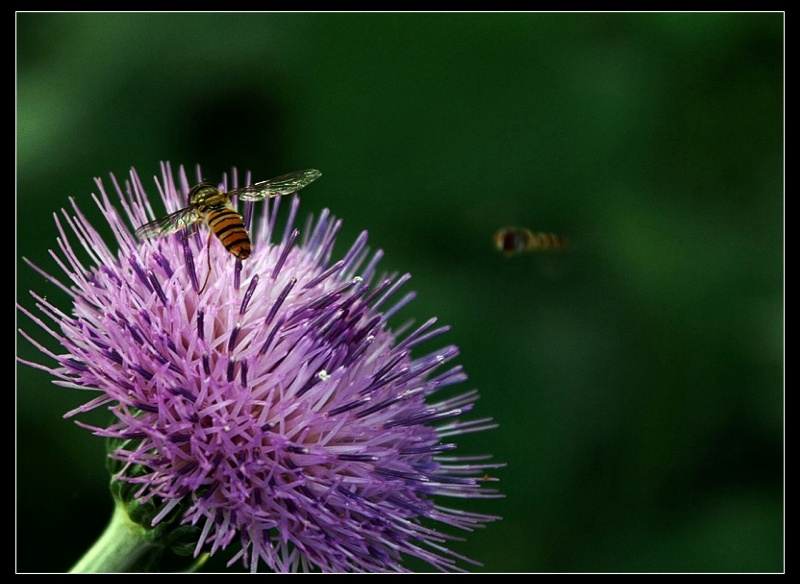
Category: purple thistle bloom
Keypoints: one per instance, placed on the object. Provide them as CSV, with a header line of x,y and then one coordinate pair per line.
x,y
276,406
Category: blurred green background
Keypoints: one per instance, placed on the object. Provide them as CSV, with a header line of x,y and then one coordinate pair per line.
x,y
637,378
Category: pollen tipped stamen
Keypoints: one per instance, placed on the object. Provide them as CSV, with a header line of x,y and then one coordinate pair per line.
x,y
358,457
243,372
237,273
364,331
331,297
200,325
392,289
417,337
147,375
294,206
234,335
317,230
352,356
279,302
350,406
134,332
270,337
431,449
351,259
399,305
378,377
188,258
369,298
157,287
140,273
113,356
183,392
287,247
426,417
380,406
247,215
324,275
164,264
251,288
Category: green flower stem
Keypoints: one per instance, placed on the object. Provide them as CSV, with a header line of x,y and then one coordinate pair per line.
x,y
121,548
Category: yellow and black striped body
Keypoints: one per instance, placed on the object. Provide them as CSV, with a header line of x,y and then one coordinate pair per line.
x,y
216,209
515,240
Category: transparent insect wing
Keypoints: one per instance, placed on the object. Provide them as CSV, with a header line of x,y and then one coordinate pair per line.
x,y
172,223
285,184
524,240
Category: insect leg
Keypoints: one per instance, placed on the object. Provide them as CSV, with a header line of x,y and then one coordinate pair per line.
x,y
208,255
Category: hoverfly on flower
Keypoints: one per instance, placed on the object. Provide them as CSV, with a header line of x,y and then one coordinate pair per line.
x,y
210,204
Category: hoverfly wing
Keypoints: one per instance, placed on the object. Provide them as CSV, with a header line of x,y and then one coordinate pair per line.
x,y
286,184
172,223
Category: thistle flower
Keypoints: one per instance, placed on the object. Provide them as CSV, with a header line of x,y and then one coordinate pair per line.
x,y
274,406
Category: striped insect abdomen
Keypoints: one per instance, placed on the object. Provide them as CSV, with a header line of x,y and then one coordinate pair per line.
x,y
224,222
228,226
540,240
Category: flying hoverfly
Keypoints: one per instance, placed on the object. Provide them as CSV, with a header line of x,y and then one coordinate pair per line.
x,y
210,204
516,240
